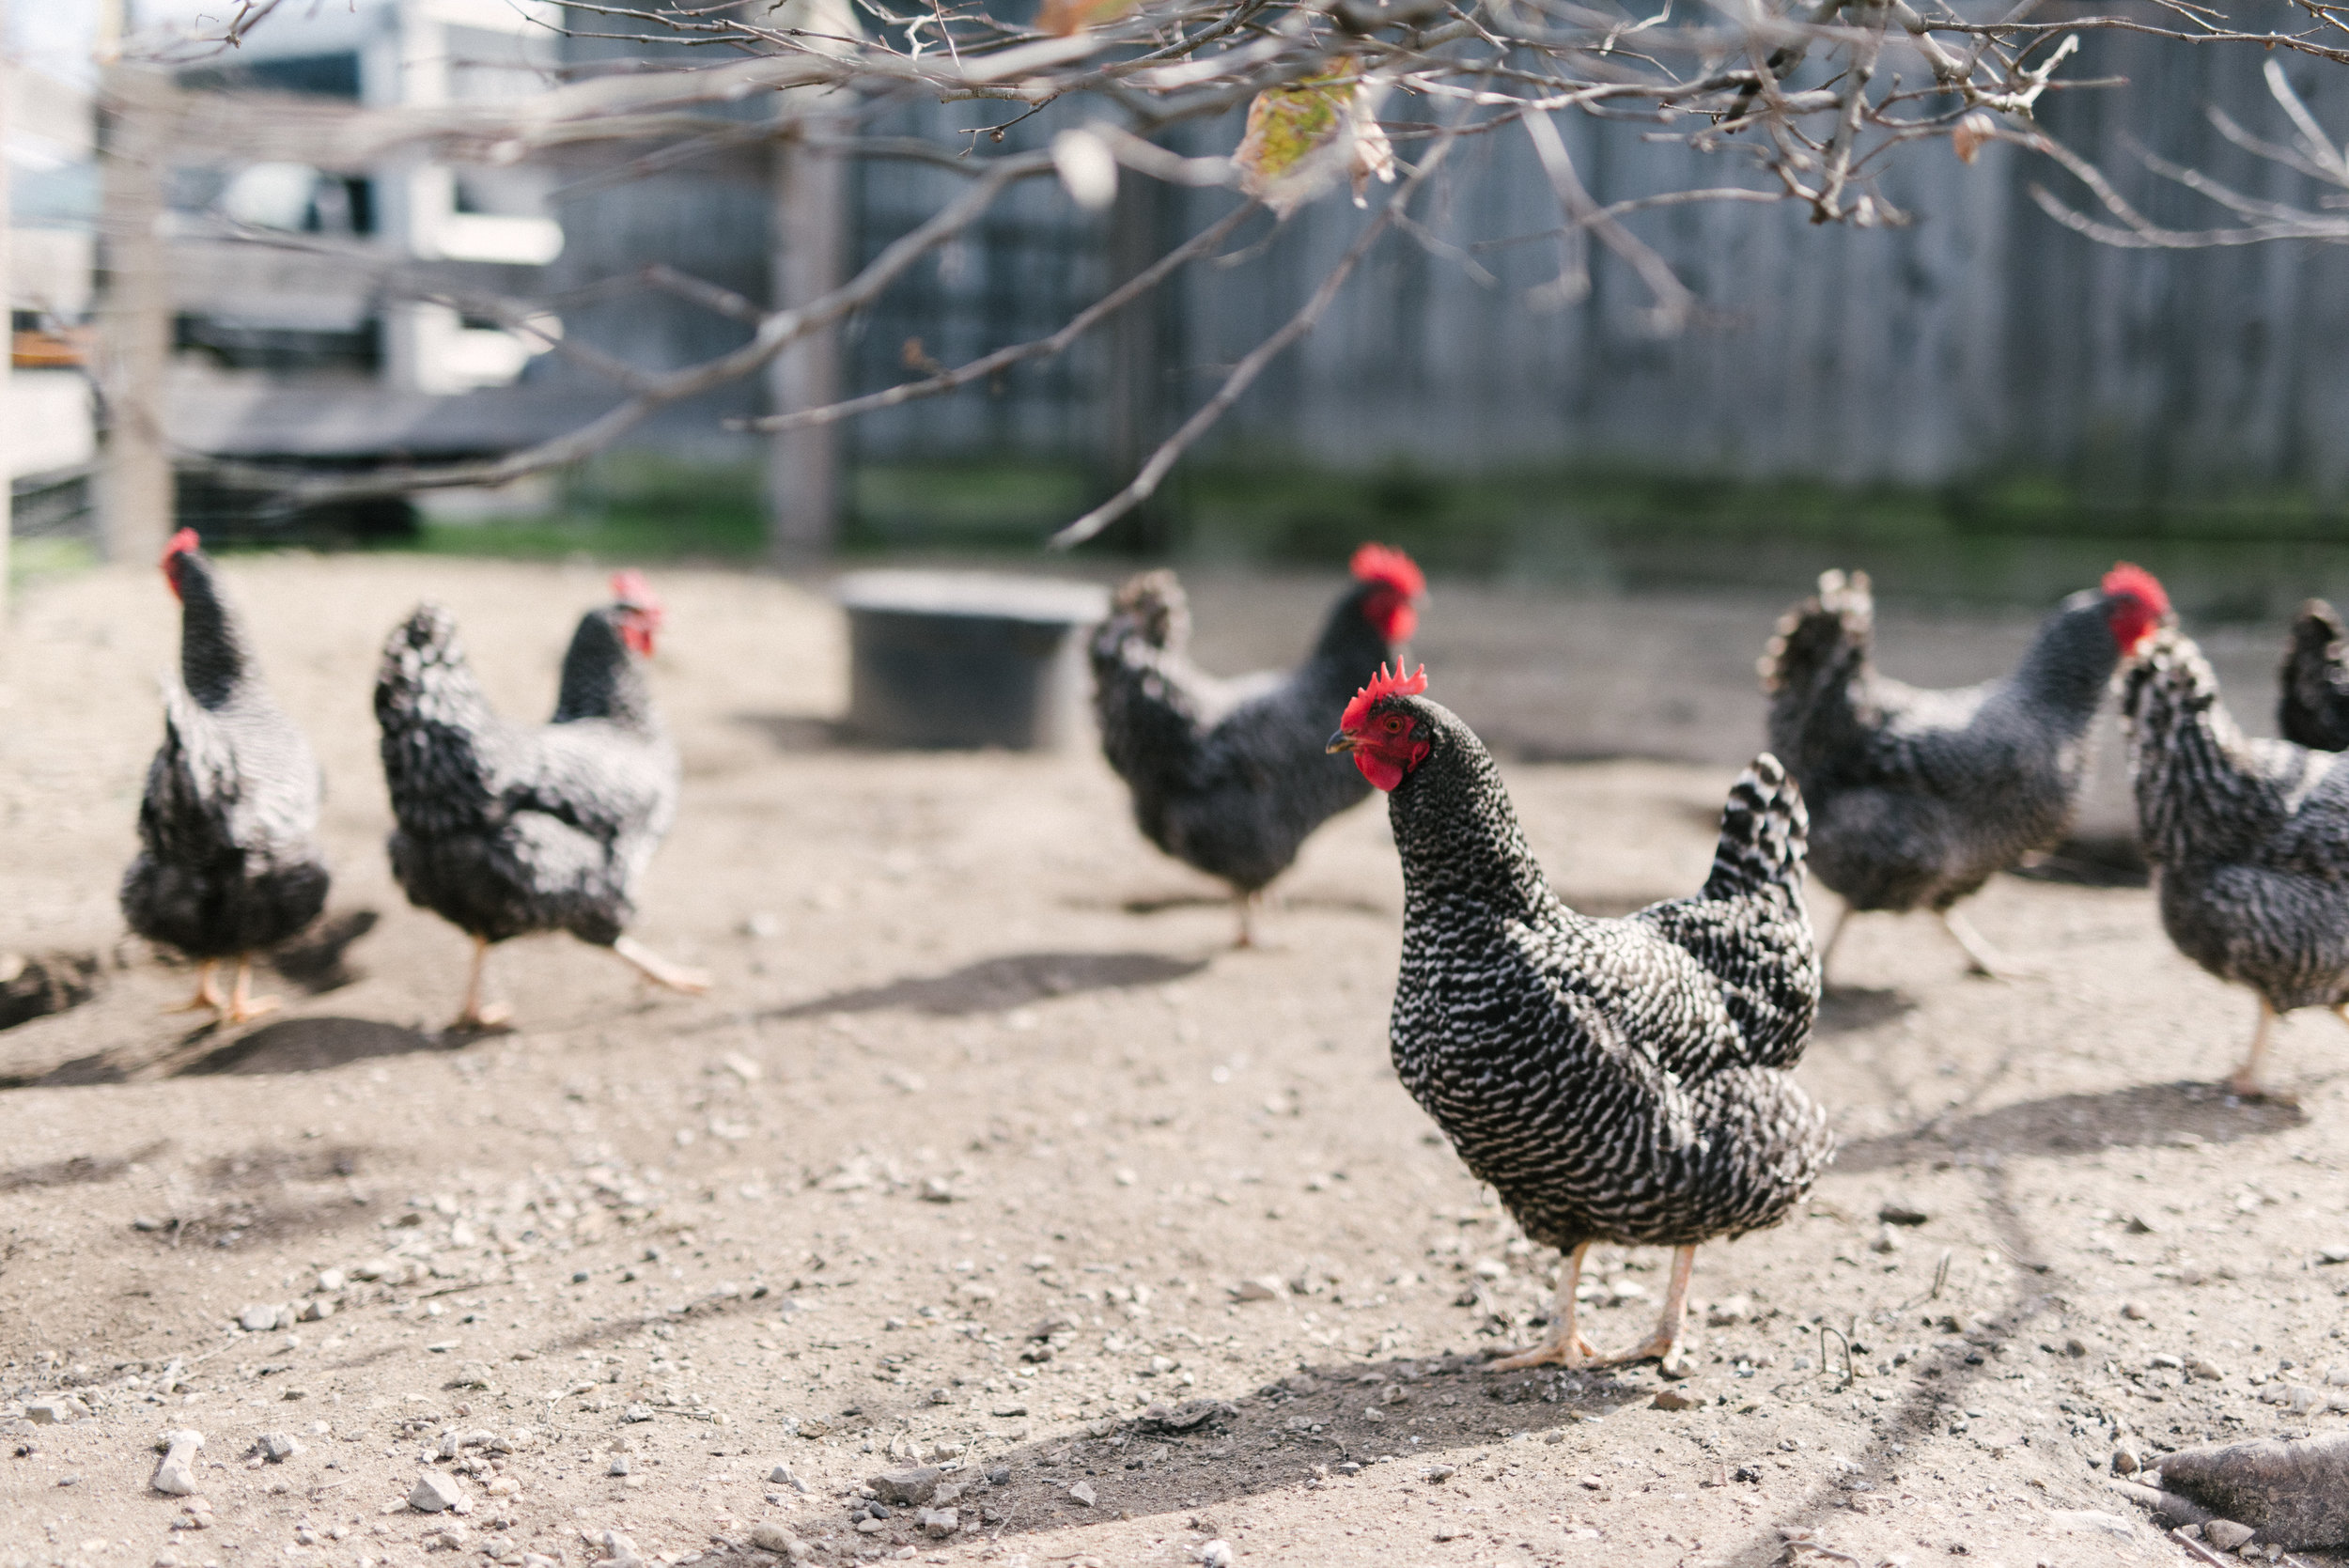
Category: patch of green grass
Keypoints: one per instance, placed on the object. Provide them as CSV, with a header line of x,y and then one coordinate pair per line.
x,y
33,559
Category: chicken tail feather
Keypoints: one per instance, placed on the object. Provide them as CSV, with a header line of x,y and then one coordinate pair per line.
x,y
1151,605
2313,707
1823,633
1765,831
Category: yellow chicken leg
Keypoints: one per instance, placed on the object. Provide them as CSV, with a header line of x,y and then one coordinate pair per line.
x,y
243,1007
2245,1082
1565,1347
208,997
659,971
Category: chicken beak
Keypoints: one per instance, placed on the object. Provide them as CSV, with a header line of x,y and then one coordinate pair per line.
x,y
1342,742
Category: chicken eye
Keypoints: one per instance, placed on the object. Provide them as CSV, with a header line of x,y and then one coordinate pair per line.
x,y
1395,725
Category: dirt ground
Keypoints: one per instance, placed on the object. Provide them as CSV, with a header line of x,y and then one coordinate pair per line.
x,y
985,1149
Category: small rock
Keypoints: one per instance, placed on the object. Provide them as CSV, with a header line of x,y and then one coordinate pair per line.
x,y
2209,1371
2333,1255
1082,1494
941,1396
2126,1460
1216,1554
637,1413
315,1310
619,1551
1894,1212
1266,1289
1724,1314
768,1536
934,1190
1010,1409
620,1464
260,1318
2139,1225
940,1523
782,1476
1439,1473
435,1493
2135,1313
450,1537
1675,1398
2225,1534
909,1488
49,1412
176,1476
1886,1240
329,1280
276,1447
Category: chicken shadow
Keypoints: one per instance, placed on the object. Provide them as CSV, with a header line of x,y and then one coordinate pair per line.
x,y
2093,860
2142,1114
1853,1009
318,961
1194,1454
1166,903
799,732
310,1046
994,984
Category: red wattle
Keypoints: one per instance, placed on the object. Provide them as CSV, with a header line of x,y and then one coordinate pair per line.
x,y
1382,772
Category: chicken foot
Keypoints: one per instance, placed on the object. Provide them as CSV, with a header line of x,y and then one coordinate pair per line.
x,y
244,1006
208,997
480,1018
1566,1347
659,971
1247,904
1981,958
1834,934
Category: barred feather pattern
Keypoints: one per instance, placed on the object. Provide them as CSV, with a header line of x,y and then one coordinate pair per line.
x,y
505,829
1229,776
2250,837
1624,1080
228,860
2312,707
1918,796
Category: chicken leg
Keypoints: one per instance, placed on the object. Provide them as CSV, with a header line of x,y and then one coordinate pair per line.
x,y
1834,934
1246,903
208,997
242,1006
1565,1347
659,971
1981,958
480,1018
2245,1082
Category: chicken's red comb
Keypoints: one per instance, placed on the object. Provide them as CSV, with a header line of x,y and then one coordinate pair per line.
x,y
1381,685
2135,582
628,588
1377,563
181,544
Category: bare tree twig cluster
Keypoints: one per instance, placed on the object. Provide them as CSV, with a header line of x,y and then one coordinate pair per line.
x,y
1802,101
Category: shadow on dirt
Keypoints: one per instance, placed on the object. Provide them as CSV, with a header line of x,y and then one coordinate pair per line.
x,y
799,732
1849,1009
992,985
310,1046
1166,903
81,1171
2145,1114
318,961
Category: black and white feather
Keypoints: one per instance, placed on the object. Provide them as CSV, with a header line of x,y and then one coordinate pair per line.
x,y
2313,709
1621,1081
229,860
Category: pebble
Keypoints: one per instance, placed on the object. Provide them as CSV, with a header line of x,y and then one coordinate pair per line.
x,y
2209,1371
1265,1289
176,1476
768,1536
2135,1313
637,1413
940,1523
1675,1398
1888,1240
53,1412
1082,1494
1216,1554
276,1447
1724,1314
782,1476
2126,1460
620,1464
262,1317
1895,1212
619,1552
909,1488
329,1280
436,1493
315,1310
2226,1534
1013,1408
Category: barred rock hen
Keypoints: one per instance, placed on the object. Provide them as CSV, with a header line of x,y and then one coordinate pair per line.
x,y
2314,709
1229,776
1917,798
2249,840
1621,1081
506,830
228,860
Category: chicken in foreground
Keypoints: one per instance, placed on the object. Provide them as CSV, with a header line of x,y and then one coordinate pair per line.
x,y
1916,797
504,830
1230,776
2249,841
1623,1080
229,860
2313,707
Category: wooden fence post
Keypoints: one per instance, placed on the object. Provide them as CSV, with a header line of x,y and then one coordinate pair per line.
x,y
135,499
811,241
